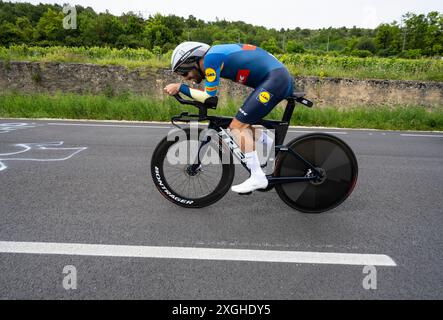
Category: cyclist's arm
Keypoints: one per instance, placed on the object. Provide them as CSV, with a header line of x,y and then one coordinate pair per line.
x,y
197,95
212,73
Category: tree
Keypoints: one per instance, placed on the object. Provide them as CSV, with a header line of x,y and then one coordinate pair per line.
x,y
50,27
175,24
434,35
423,33
192,22
86,25
206,35
418,34
8,33
26,30
102,30
366,44
294,47
388,39
156,33
132,23
350,45
415,27
271,46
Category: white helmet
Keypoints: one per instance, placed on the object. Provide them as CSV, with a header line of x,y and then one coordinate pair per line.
x,y
186,55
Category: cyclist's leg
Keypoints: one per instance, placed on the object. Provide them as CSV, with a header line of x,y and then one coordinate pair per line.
x,y
280,84
265,97
276,87
243,135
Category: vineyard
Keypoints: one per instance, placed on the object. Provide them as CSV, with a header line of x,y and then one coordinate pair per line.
x,y
299,64
364,68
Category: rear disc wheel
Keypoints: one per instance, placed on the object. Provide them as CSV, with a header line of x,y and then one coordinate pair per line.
x,y
329,155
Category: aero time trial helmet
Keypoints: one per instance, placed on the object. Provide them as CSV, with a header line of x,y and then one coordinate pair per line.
x,y
185,57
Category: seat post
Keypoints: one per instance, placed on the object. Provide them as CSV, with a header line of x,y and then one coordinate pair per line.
x,y
289,110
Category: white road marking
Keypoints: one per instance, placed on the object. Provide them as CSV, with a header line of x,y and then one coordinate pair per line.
x,y
335,132
21,126
421,135
195,253
108,125
9,127
161,127
26,147
330,132
300,131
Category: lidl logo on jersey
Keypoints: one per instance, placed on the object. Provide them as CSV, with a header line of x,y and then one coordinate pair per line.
x,y
264,96
211,75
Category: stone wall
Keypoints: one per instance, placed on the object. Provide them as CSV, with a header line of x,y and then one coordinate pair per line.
x,y
88,78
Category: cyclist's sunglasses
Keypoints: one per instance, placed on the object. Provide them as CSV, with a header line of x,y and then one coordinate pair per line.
x,y
183,71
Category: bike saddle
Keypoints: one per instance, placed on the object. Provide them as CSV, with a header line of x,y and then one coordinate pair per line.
x,y
297,95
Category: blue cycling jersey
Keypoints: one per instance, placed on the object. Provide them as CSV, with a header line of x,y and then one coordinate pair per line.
x,y
248,65
242,63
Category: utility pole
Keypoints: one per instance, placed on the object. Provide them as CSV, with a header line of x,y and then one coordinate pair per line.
x,y
404,35
284,43
327,46
404,39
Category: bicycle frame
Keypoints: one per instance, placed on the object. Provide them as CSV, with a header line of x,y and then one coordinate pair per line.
x,y
220,124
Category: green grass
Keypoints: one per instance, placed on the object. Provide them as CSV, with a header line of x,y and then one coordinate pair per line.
x,y
130,58
143,108
298,64
364,68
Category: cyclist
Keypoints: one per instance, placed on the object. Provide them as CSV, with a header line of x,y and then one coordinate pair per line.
x,y
248,65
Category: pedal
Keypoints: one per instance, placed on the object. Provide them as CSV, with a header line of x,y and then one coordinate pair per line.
x,y
245,194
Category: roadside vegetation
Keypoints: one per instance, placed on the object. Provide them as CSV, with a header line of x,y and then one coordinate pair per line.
x,y
416,35
410,49
298,63
130,58
143,108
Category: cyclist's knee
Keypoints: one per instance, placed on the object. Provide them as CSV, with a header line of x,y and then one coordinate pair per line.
x,y
238,125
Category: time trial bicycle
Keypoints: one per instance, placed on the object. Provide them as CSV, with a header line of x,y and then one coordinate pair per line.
x,y
312,173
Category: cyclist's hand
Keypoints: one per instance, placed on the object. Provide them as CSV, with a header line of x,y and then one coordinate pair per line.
x,y
172,89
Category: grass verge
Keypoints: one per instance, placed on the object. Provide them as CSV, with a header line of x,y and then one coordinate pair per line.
x,y
143,108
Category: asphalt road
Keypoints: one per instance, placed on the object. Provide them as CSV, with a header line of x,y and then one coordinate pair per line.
x,y
89,183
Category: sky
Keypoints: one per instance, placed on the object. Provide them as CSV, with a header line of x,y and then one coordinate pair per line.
x,y
311,14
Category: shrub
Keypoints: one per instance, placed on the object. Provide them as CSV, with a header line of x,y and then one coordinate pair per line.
x,y
294,47
361,53
410,54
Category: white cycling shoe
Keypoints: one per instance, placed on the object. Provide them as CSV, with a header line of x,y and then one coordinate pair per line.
x,y
253,183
